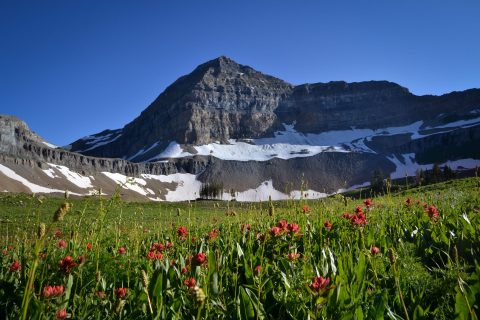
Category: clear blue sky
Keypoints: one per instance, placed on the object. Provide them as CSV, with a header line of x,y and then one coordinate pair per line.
x,y
71,68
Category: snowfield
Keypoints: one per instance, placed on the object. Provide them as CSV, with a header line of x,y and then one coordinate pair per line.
x,y
406,165
96,141
35,188
289,143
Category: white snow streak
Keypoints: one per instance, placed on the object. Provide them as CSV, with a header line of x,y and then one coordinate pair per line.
x,y
406,165
32,186
72,176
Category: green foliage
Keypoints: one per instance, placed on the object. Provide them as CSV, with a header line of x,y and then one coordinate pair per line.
x,y
250,265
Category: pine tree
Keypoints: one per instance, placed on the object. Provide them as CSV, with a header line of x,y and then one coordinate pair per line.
x,y
436,175
377,180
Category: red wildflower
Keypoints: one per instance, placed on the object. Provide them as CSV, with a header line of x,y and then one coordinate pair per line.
x,y
159,256
15,266
184,270
408,202
151,255
293,256
374,250
89,246
368,202
282,224
190,282
432,212
359,219
157,247
358,210
58,233
122,250
53,291
258,269
200,258
275,231
81,259
306,209
194,239
62,244
347,215
67,264
121,293
182,232
327,225
61,314
169,245
245,227
212,235
319,283
293,227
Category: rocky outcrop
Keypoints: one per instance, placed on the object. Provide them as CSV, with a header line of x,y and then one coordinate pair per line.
x,y
26,154
373,104
326,172
19,145
223,100
460,143
219,100
14,133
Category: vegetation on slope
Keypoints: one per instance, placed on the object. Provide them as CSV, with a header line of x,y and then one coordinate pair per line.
x,y
407,256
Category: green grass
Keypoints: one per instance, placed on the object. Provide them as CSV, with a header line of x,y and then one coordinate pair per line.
x,y
427,268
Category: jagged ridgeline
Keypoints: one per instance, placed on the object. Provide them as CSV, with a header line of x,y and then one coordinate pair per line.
x,y
256,136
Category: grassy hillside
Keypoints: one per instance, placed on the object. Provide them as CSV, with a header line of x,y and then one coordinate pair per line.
x,y
409,255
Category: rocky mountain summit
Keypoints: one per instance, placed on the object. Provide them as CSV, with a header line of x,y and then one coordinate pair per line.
x,y
218,101
222,100
254,134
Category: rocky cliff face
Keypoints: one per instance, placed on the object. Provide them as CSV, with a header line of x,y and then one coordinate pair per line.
x,y
21,146
219,100
28,164
222,100
230,124
373,104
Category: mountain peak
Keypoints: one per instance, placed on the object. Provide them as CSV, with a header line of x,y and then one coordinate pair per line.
x,y
222,61
223,65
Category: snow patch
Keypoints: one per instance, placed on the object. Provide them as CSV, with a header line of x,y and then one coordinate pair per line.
x,y
173,150
49,145
143,151
51,173
290,143
188,187
101,143
32,186
74,177
266,190
459,123
407,166
129,183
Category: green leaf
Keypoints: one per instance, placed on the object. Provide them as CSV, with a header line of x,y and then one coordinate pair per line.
x,y
359,313
246,306
68,291
239,251
461,307
214,283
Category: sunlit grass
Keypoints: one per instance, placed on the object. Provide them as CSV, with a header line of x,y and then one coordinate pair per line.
x,y
301,259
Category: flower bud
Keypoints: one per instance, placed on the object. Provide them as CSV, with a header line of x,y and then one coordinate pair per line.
x,y
199,294
391,256
144,279
42,228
